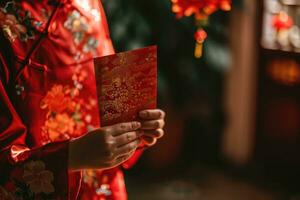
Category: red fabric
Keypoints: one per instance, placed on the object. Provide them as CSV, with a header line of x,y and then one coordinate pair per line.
x,y
52,100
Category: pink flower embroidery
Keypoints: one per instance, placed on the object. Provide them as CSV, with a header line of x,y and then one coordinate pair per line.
x,y
37,178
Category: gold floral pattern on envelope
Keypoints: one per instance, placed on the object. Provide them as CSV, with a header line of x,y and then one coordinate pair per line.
x,y
126,84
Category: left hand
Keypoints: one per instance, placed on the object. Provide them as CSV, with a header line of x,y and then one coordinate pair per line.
x,y
152,121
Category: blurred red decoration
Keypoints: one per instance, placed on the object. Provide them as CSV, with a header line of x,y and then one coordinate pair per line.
x,y
201,9
285,72
282,21
200,36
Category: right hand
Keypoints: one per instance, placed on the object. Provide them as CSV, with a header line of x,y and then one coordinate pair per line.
x,y
106,147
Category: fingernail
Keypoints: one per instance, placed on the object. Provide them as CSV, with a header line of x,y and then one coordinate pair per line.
x,y
159,114
137,124
143,114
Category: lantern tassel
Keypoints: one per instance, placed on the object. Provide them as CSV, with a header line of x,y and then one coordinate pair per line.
x,y
198,50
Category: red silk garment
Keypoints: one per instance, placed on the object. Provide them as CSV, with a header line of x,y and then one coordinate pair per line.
x,y
48,96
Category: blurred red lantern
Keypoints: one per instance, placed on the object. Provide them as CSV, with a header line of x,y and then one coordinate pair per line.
x,y
201,9
200,35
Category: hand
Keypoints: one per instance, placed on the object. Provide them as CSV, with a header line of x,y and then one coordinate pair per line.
x,y
152,125
106,147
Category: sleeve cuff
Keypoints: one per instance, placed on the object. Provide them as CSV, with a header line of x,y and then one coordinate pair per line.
x,y
41,173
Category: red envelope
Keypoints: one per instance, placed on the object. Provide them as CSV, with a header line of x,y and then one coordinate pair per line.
x,y
126,84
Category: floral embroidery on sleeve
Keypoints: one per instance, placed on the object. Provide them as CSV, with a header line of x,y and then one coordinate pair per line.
x,y
38,179
30,181
16,23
